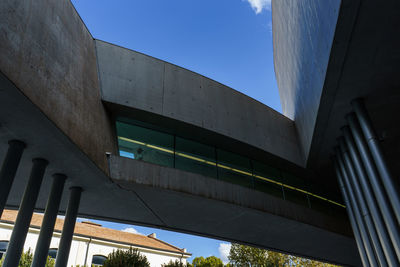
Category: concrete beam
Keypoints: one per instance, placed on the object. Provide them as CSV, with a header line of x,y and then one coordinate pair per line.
x,y
235,213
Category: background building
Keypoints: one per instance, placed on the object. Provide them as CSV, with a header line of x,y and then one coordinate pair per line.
x,y
92,243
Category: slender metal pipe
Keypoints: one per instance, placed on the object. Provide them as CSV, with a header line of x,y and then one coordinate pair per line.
x,y
25,212
359,197
9,169
391,187
357,211
68,228
350,212
376,215
49,220
379,192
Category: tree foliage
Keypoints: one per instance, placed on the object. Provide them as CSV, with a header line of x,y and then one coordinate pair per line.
x,y
126,258
211,261
175,263
27,258
241,255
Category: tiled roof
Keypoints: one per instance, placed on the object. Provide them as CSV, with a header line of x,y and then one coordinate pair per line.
x,y
97,231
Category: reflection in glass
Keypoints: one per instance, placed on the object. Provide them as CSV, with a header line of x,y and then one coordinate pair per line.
x,y
164,149
234,168
98,260
145,144
3,248
195,157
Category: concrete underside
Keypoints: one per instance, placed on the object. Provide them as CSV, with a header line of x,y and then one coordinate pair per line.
x,y
158,206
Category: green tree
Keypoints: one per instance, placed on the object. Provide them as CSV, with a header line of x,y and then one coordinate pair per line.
x,y
211,261
175,263
126,258
240,255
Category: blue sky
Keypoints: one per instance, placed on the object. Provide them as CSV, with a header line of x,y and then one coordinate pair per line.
x,y
229,41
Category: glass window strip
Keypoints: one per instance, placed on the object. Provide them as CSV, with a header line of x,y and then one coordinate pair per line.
x,y
229,168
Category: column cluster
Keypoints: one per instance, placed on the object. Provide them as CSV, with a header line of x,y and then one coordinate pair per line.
x,y
27,206
369,190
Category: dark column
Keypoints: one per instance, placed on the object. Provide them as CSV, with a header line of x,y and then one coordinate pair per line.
x,y
370,199
391,187
350,212
49,220
357,212
25,212
9,169
379,193
68,229
359,197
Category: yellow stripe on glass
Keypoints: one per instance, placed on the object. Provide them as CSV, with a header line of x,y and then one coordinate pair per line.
x,y
229,168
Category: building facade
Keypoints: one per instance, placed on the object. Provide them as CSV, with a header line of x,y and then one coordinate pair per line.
x,y
92,243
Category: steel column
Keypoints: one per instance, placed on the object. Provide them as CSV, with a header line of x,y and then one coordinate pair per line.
x,y
25,212
350,212
376,215
359,197
380,195
9,169
68,228
391,187
357,212
49,220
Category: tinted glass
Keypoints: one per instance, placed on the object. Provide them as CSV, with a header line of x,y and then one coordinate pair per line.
x,y
98,260
3,245
195,157
141,143
267,179
234,168
144,144
3,248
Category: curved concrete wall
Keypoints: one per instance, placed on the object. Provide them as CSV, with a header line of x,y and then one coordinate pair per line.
x,y
48,53
303,32
141,82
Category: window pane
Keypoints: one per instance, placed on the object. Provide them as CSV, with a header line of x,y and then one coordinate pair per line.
x,y
3,245
3,248
145,144
234,168
267,179
52,253
98,260
195,157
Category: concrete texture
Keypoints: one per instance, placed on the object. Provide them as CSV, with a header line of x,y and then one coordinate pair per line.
x,y
21,119
143,83
363,62
50,98
233,210
303,32
48,53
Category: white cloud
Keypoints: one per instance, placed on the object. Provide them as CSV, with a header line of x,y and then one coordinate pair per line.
x,y
224,249
131,230
259,5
